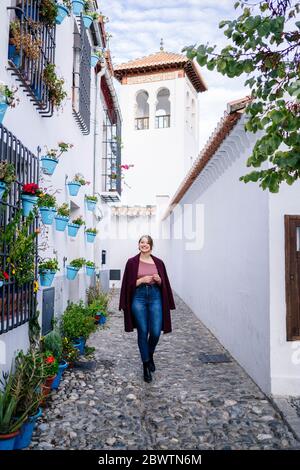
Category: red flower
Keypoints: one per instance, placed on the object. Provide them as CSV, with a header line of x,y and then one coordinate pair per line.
x,y
30,188
6,276
50,360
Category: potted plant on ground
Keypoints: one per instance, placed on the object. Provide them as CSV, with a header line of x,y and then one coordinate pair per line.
x,y
29,196
69,353
7,99
76,184
51,367
50,160
91,202
91,234
97,310
73,268
9,427
74,226
7,177
90,268
77,324
55,86
53,343
47,271
47,206
77,6
63,9
62,217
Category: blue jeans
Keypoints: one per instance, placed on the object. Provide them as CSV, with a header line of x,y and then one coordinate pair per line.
x,y
147,311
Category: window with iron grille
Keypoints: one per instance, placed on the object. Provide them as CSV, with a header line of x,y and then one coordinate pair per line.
x,y
81,98
32,47
112,151
17,300
161,122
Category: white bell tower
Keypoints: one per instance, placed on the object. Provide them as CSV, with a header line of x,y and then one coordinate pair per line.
x,y
160,110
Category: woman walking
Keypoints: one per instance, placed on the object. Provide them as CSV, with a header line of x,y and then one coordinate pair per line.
x,y
146,298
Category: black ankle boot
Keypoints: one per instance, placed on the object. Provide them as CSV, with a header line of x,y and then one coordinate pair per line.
x,y
147,373
151,363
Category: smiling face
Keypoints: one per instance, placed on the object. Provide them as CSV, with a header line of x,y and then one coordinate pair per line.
x,y
145,245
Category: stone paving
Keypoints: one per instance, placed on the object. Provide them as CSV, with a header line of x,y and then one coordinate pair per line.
x,y
188,405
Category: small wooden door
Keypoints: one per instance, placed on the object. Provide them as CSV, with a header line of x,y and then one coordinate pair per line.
x,y
292,275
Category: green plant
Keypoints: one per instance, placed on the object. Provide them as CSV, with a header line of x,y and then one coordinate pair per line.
x,y
97,306
66,3
7,173
92,230
53,343
55,85
77,263
76,322
8,95
48,12
9,398
90,264
56,153
63,210
80,179
78,221
69,353
95,293
91,198
50,363
46,200
51,263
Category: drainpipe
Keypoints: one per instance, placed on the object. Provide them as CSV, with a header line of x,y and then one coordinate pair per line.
x,y
97,84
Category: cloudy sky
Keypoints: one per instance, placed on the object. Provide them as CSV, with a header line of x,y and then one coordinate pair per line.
x,y
138,25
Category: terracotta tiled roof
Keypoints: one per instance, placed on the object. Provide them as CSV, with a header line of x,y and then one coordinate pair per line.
x,y
162,60
234,112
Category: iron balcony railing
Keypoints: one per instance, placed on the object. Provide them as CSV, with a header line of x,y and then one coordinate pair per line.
x,y
82,78
141,123
17,302
112,152
31,48
162,122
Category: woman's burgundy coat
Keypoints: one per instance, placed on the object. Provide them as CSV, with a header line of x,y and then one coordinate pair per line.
x,y
128,289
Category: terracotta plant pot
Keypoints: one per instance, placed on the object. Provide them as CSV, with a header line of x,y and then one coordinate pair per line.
x,y
45,392
49,381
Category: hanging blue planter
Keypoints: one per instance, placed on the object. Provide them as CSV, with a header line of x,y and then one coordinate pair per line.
x,y
24,438
13,55
61,222
46,277
74,187
90,270
8,443
73,230
28,203
62,366
91,205
94,60
1,283
87,20
3,108
47,215
2,188
77,6
48,165
72,273
90,237
62,12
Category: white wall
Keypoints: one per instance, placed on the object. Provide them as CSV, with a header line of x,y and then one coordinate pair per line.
x,y
285,355
226,282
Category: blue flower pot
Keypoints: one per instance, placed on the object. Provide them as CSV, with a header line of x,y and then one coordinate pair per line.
x,y
102,320
47,215
61,222
13,55
90,237
91,205
2,184
62,366
3,108
48,165
28,203
24,438
77,6
74,188
73,230
87,20
61,13
1,283
94,60
89,270
79,343
72,273
46,277
8,443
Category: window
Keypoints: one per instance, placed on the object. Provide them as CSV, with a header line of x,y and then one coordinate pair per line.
x,y
112,152
142,111
163,109
81,99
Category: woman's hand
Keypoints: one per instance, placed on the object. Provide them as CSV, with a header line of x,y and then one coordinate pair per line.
x,y
157,278
144,280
